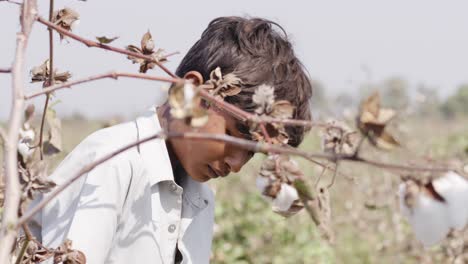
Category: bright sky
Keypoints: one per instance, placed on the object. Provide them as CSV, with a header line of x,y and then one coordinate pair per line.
x,y
424,41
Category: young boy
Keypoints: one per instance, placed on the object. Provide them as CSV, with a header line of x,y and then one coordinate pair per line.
x,y
149,204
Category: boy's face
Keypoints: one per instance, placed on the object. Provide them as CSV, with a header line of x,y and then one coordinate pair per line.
x,y
207,159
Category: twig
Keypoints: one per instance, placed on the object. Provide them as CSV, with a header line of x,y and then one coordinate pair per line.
x,y
244,116
5,70
51,79
8,231
113,75
95,44
23,250
239,142
334,175
41,131
11,1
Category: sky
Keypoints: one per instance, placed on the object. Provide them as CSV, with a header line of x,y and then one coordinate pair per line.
x,y
341,43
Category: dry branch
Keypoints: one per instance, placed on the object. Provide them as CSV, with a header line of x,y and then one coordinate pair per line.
x,y
91,43
243,143
12,186
5,70
113,75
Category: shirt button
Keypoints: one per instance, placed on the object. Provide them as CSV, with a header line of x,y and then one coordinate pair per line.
x,y
173,187
171,228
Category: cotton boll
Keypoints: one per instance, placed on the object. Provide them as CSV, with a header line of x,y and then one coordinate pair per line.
x,y
454,189
27,134
24,149
285,198
189,94
262,183
75,24
428,217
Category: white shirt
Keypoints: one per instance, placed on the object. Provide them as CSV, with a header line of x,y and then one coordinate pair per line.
x,y
129,209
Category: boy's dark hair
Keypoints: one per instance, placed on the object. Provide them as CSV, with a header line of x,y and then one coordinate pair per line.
x,y
257,54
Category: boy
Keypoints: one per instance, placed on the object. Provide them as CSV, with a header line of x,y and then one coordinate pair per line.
x,y
149,204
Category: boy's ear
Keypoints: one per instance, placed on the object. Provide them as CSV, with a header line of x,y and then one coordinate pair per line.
x,y
195,76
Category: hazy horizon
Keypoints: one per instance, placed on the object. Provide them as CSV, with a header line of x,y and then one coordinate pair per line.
x,y
420,41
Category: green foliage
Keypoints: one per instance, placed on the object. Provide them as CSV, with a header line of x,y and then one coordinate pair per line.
x,y
457,104
247,231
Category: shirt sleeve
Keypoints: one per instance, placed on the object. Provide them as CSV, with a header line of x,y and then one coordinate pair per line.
x,y
88,212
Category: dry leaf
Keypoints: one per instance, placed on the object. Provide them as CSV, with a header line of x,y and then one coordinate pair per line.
x,y
54,143
29,113
41,74
34,179
338,138
282,109
66,255
372,121
147,43
65,18
223,86
146,48
106,40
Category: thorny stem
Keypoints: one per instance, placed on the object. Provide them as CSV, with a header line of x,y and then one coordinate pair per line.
x,y
12,191
94,44
113,75
239,142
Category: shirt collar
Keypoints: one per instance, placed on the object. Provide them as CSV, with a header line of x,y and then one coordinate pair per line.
x,y
156,159
154,152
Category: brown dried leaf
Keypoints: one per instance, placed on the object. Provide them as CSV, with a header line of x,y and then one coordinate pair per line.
x,y
34,179
384,140
282,109
338,138
66,255
54,144
224,86
65,18
147,48
372,121
147,43
41,74
106,40
29,113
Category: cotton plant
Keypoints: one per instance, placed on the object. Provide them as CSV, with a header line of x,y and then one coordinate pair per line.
x,y
436,208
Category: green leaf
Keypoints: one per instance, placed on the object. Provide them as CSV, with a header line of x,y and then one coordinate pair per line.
x,y
106,40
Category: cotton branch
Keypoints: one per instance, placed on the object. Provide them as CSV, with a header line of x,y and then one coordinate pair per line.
x,y
113,75
5,70
244,116
95,44
51,78
8,231
239,142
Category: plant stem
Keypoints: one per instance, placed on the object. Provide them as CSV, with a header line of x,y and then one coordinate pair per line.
x,y
114,75
95,44
8,230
